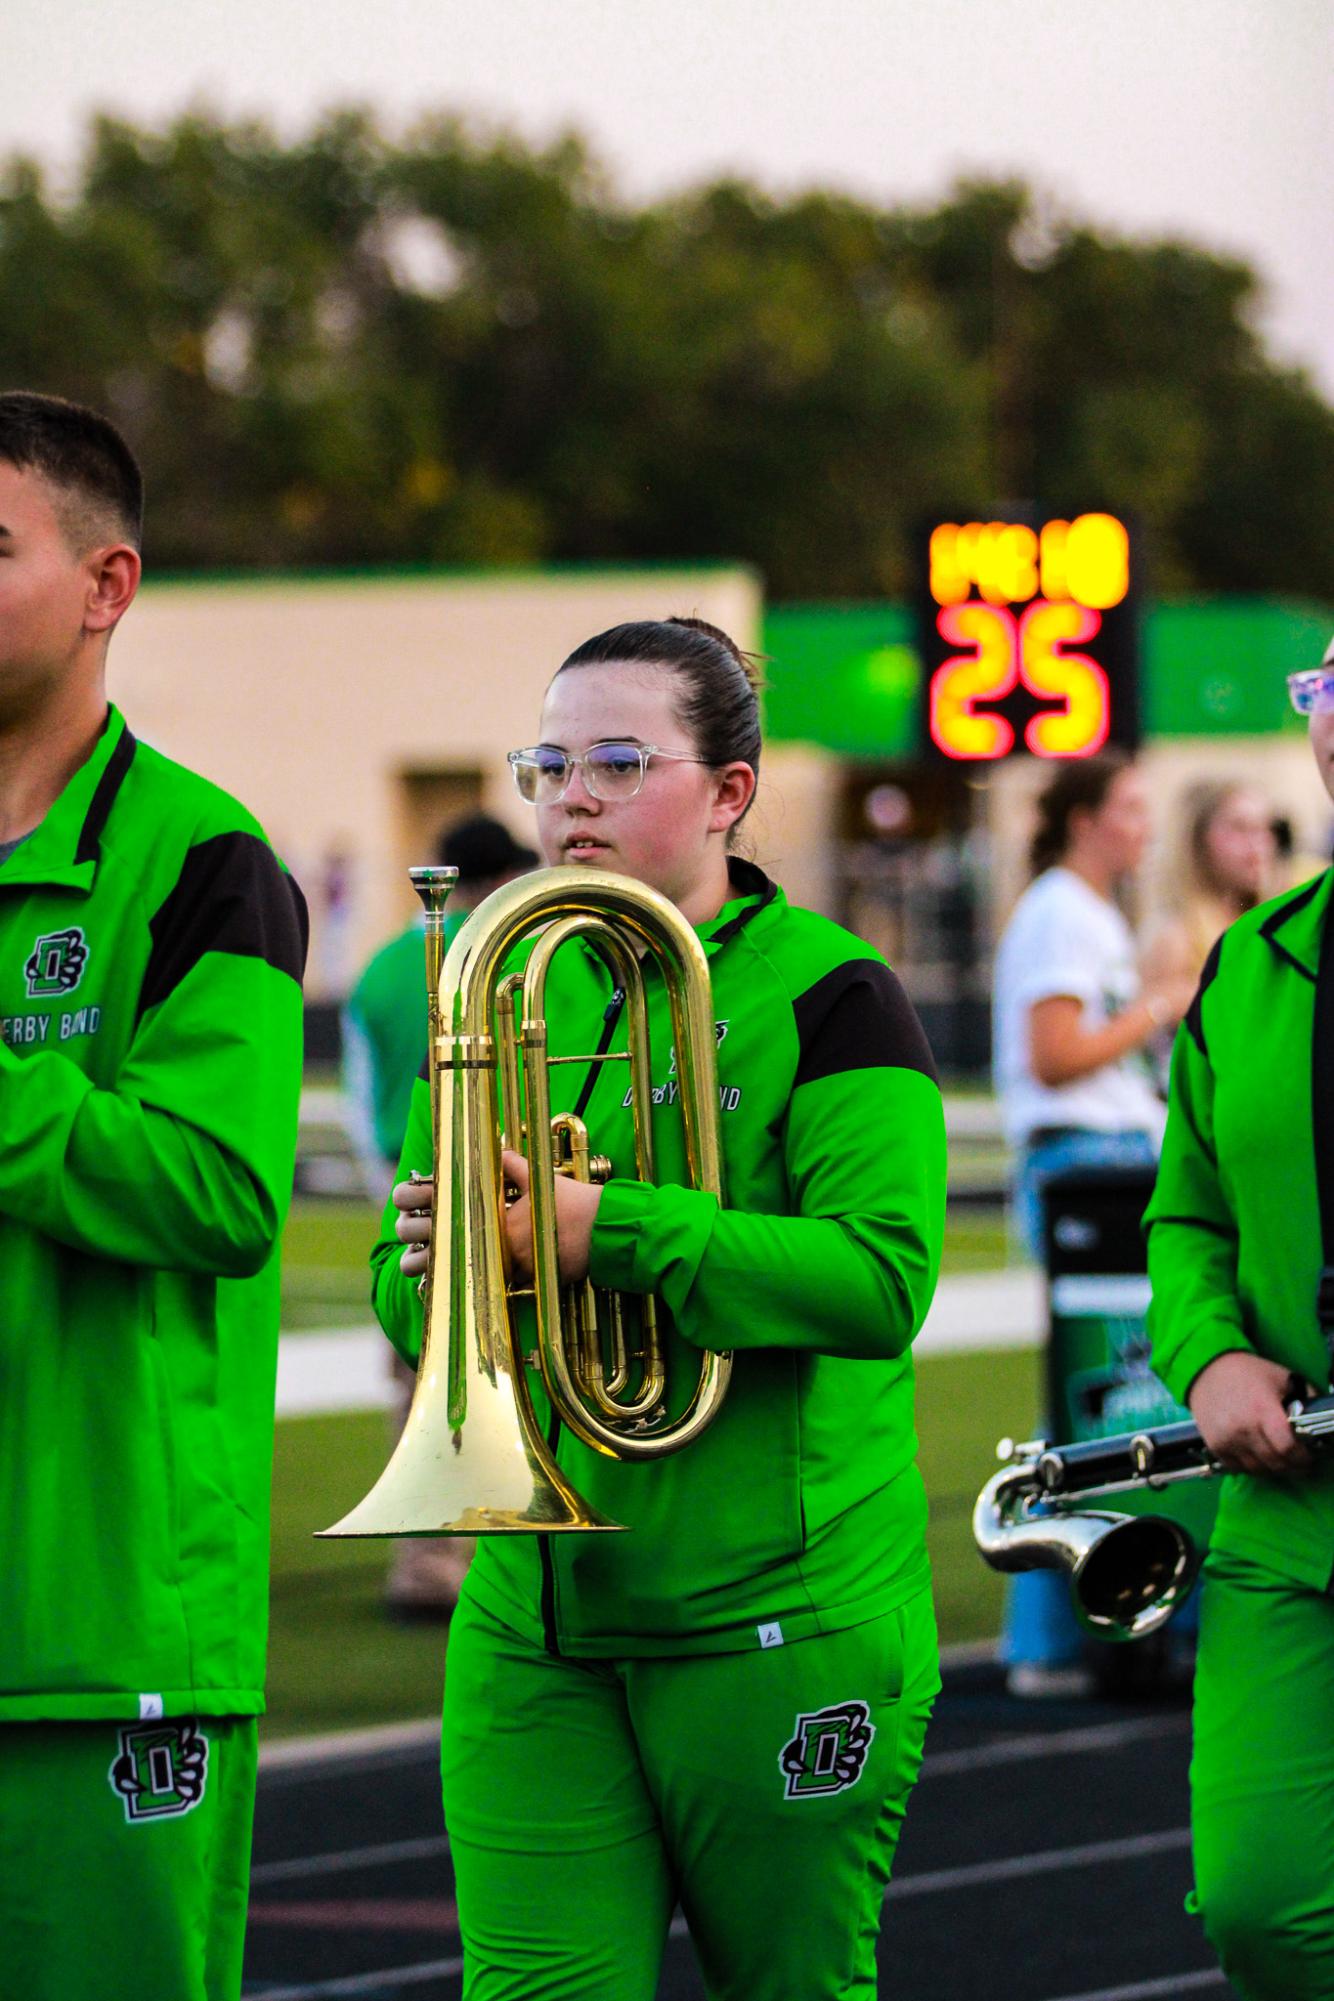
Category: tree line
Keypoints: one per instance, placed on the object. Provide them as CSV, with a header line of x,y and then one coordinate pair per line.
x,y
454,347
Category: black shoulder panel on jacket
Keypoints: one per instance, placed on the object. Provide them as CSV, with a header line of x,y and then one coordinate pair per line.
x,y
859,1018
232,895
1194,1013
1290,905
1279,916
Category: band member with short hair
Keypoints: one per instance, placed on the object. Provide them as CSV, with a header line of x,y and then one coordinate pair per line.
x,y
1241,1257
151,947
725,1706
383,1029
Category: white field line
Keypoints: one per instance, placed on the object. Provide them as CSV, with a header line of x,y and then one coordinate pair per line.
x,y
1057,1744
293,1754
1042,1862
394,1978
377,1855
350,1985
347,1368
1155,1990
930,1882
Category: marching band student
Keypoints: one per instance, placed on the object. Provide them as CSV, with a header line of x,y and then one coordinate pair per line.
x,y
151,949
726,1706
1241,1257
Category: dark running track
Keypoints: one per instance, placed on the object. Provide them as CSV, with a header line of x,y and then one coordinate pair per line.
x,y
1045,1858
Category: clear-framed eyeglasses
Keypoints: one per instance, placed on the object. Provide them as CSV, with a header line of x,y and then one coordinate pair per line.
x,y
610,770
1312,690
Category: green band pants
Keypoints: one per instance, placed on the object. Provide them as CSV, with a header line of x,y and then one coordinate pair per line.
x,y
763,1791
125,1858
1262,1782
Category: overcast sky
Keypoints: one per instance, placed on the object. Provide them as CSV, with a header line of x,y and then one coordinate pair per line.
x,y
1212,118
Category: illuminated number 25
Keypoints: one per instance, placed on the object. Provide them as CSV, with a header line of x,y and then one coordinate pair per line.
x,y
1008,651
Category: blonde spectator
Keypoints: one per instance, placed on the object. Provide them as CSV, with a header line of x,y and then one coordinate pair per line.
x,y
1224,865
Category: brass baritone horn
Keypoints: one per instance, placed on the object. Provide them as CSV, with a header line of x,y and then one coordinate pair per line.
x,y
472,1459
1128,1573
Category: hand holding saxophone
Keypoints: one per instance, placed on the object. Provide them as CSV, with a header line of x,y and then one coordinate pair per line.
x,y
1240,1403
576,1210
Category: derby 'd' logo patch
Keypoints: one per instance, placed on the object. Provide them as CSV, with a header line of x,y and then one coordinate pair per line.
x,y
57,963
829,1750
161,1770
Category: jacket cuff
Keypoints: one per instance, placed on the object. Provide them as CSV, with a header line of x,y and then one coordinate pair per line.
x,y
1200,1348
641,1230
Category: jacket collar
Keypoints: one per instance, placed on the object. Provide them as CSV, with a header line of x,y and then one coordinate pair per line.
x,y
1293,927
752,892
63,852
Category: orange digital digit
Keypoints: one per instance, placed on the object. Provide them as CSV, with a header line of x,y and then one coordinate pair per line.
x,y
1073,678
1052,566
987,674
1007,571
1097,561
949,579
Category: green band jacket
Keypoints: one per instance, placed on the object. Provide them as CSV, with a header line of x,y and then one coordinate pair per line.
x,y
1234,1224
801,1509
151,948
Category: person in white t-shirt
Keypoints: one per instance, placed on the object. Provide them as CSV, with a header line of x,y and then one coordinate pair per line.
x,y
1072,1026
1074,1070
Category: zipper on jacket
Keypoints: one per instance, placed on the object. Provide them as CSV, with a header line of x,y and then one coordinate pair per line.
x,y
550,1638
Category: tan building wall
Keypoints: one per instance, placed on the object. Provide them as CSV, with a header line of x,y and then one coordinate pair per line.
x,y
353,715
790,828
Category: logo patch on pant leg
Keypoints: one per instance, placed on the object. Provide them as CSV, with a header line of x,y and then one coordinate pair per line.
x,y
829,1750
161,1768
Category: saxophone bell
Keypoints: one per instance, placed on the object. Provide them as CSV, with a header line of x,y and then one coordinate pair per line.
x,y
1128,1573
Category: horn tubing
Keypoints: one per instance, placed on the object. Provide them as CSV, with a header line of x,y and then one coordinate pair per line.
x,y
685,970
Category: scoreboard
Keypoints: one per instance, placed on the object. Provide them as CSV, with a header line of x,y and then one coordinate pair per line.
x,y
1029,638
